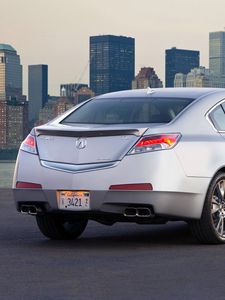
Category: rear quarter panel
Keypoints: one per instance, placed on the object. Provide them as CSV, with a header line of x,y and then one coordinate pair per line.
x,y
201,150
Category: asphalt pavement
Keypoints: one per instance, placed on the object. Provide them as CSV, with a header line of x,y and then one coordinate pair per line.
x,y
123,261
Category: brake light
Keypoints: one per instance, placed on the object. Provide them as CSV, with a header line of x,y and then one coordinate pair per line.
x,y
28,185
155,142
29,144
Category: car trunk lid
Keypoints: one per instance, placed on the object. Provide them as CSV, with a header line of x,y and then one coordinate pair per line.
x,y
85,144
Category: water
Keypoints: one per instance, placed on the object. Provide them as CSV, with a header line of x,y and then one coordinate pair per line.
x,y
6,174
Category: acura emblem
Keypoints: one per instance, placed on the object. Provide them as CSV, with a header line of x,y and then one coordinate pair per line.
x,y
81,143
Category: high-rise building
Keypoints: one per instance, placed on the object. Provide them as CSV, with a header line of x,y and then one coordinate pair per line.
x,y
112,61
13,105
17,124
179,61
10,74
146,78
217,52
37,90
13,124
199,77
70,89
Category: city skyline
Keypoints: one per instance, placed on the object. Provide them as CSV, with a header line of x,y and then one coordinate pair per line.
x,y
40,32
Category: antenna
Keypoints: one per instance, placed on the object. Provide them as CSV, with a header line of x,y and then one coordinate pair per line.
x,y
150,91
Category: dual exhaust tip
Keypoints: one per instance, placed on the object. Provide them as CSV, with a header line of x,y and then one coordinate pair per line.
x,y
30,209
141,212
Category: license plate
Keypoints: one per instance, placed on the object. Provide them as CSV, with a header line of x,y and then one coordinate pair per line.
x,y
73,200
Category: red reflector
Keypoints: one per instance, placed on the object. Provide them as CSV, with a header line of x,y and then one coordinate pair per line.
x,y
132,187
28,185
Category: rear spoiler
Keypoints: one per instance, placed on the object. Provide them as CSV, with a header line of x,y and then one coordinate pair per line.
x,y
89,133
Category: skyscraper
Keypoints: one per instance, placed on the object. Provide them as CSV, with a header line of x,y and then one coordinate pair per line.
x,y
13,105
146,78
37,89
179,61
111,63
217,52
10,74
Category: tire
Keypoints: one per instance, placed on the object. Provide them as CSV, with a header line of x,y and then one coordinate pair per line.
x,y
210,229
57,228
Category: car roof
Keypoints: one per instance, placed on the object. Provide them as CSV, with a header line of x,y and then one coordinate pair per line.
x,y
193,93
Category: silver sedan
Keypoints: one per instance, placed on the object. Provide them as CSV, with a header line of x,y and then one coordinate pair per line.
x,y
144,156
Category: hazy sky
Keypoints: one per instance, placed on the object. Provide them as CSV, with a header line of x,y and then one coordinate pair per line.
x,y
56,32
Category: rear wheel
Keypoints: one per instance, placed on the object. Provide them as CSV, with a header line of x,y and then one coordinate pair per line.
x,y
211,227
58,228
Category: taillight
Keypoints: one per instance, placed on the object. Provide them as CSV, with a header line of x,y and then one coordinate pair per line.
x,y
155,142
29,144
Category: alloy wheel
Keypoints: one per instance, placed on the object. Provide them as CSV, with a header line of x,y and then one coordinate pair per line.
x,y
218,208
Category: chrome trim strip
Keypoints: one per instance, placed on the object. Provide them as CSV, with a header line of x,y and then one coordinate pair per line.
x,y
77,168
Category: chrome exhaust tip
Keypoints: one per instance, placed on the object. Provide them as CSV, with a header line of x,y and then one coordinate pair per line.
x,y
24,209
144,212
30,210
130,212
140,212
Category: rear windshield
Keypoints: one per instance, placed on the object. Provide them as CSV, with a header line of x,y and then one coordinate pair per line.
x,y
128,110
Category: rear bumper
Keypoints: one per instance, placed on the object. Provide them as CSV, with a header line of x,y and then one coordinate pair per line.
x,y
174,194
171,204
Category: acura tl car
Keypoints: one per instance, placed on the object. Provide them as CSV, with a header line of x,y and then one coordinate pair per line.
x,y
146,156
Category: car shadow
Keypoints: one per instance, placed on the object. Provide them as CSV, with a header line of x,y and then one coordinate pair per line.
x,y
128,236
